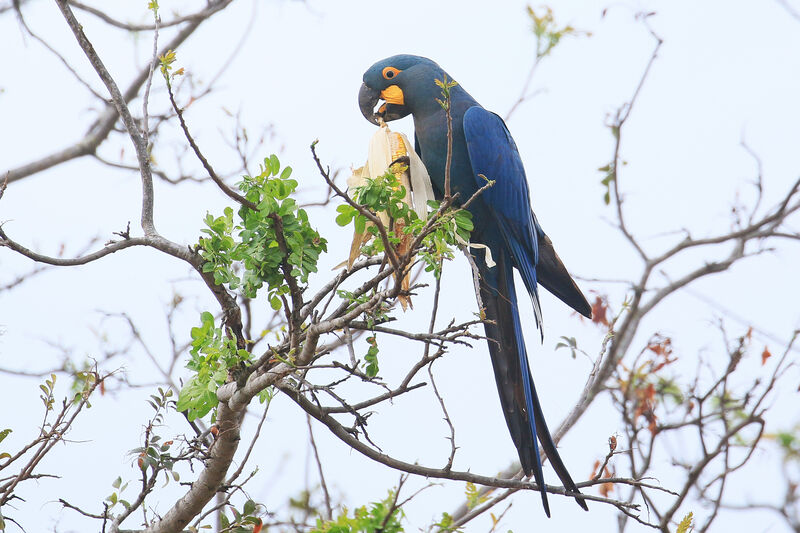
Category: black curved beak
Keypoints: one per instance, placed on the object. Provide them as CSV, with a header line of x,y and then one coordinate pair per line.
x,y
368,99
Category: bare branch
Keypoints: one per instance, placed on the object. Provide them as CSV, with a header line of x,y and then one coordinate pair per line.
x,y
344,435
121,106
104,124
328,507
214,6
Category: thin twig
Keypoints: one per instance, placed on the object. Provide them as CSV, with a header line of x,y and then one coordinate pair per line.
x,y
326,494
146,95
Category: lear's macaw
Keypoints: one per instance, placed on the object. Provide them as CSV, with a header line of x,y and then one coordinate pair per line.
x,y
503,221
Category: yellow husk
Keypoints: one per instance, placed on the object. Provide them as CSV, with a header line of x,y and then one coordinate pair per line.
x,y
387,146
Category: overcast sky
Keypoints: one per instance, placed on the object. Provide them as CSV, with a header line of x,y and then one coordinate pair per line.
x,y
728,71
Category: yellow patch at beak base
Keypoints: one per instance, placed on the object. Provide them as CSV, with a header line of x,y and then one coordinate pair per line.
x,y
393,95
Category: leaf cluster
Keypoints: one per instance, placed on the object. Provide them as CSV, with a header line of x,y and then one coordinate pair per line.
x,y
167,60
259,242
474,496
445,85
3,434
371,358
381,516
244,520
382,194
115,497
385,194
445,525
213,355
547,32
571,344
48,392
156,457
645,383
789,442
453,228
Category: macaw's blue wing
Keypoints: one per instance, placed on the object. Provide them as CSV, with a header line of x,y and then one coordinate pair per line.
x,y
493,154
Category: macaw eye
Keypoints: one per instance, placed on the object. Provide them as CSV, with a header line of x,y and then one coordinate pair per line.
x,y
390,72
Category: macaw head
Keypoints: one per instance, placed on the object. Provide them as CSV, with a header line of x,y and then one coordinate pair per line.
x,y
403,82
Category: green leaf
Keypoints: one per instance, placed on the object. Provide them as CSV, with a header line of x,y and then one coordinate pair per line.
x,y
249,507
371,357
266,395
345,215
344,219
464,220
360,223
274,164
196,400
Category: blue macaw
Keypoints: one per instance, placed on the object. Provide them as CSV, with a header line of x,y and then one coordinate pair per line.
x,y
503,220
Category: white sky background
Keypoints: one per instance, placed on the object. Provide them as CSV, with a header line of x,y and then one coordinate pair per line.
x,y
727,71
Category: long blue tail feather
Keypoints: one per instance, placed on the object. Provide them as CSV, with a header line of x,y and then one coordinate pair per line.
x,y
521,406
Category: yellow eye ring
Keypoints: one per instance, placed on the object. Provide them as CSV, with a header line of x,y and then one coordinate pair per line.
x,y
390,72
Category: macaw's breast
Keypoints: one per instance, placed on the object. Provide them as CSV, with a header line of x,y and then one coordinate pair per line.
x,y
431,137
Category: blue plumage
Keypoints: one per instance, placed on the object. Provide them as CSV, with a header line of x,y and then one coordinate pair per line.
x,y
503,220
493,154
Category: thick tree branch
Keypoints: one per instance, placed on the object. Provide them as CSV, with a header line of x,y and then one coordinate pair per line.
x,y
120,103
